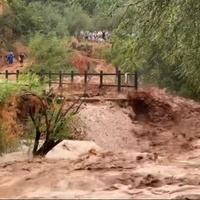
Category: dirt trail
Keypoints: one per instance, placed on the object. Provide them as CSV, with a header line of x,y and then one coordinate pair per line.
x,y
19,47
152,153
86,57
84,62
12,68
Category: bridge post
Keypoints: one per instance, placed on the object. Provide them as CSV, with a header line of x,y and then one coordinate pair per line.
x,y
60,79
136,80
17,75
101,79
49,79
6,74
72,76
85,77
41,75
119,81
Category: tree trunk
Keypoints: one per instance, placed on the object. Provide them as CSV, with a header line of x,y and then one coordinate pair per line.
x,y
37,139
46,147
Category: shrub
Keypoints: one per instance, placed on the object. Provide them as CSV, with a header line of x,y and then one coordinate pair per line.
x,y
76,20
51,121
26,82
7,143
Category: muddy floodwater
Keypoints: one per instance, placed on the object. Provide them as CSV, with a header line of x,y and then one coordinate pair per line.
x,y
128,152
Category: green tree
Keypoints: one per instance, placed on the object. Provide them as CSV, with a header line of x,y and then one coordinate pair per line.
x,y
47,19
48,53
76,19
164,34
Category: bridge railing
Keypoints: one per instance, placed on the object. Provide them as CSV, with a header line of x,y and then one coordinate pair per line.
x,y
119,80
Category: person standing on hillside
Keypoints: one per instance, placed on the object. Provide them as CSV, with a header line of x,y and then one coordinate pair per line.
x,y
104,35
21,58
10,58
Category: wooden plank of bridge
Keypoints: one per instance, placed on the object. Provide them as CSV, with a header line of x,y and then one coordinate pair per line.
x,y
98,99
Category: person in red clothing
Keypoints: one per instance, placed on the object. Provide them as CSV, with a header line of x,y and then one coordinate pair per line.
x,y
21,58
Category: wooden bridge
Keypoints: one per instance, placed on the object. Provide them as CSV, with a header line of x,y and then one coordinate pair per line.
x,y
119,80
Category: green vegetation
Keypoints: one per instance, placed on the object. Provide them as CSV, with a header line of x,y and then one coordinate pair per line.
x,y
42,116
45,25
7,143
52,123
63,18
158,38
43,113
48,53
27,82
161,39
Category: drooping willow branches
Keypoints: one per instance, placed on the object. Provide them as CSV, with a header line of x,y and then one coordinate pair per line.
x,y
161,34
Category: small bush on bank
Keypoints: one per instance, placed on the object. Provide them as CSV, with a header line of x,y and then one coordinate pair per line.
x,y
50,123
7,143
26,82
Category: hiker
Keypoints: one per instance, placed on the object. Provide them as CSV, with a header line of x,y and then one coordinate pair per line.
x,y
99,35
21,58
107,35
12,57
9,58
104,35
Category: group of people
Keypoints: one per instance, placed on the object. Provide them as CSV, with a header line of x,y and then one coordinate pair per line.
x,y
96,36
10,57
